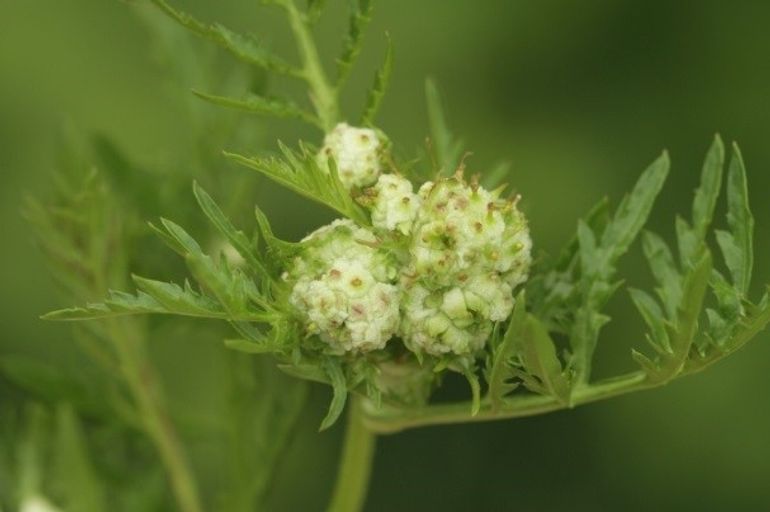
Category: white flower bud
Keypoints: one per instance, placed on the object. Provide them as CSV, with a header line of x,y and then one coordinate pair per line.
x,y
343,288
356,153
469,249
395,204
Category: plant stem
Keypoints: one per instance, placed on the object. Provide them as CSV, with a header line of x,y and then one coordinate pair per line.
x,y
385,420
145,390
356,464
323,95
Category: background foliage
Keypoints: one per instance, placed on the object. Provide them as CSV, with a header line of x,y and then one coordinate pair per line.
x,y
578,98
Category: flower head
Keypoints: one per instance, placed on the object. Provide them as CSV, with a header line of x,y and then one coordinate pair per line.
x,y
394,203
343,288
356,151
469,249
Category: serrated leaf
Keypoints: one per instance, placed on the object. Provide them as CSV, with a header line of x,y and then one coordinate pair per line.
x,y
242,47
235,237
664,271
256,104
653,317
633,211
379,88
498,371
446,149
340,388
537,352
738,249
278,248
708,192
299,171
360,16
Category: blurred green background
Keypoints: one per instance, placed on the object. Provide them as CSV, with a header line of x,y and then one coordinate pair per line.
x,y
577,96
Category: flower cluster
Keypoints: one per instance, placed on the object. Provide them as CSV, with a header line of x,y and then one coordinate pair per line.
x,y
454,254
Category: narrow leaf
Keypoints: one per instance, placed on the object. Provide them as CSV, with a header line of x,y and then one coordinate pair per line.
x,y
740,257
498,371
653,317
339,386
634,209
235,237
447,150
242,47
539,358
708,192
379,88
664,270
360,16
256,104
301,173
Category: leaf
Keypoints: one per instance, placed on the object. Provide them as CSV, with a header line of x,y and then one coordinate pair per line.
x,y
379,88
469,372
598,257
446,149
360,16
299,171
279,249
633,211
339,386
737,246
708,192
235,237
242,47
538,356
498,370
663,270
653,317
256,104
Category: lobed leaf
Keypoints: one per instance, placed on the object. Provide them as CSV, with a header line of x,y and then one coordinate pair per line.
x,y
235,237
360,16
256,104
379,88
299,171
737,245
244,48
339,384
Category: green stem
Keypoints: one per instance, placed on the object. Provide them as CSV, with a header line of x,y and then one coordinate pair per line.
x,y
390,420
356,464
142,383
323,94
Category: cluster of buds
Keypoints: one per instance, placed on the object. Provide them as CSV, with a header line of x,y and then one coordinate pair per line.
x,y
455,253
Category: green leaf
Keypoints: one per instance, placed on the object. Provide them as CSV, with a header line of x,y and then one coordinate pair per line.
x,y
469,372
708,192
256,104
237,238
538,356
242,47
633,211
299,171
248,346
737,246
664,271
498,370
277,248
446,149
340,387
379,88
360,16
77,477
653,317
